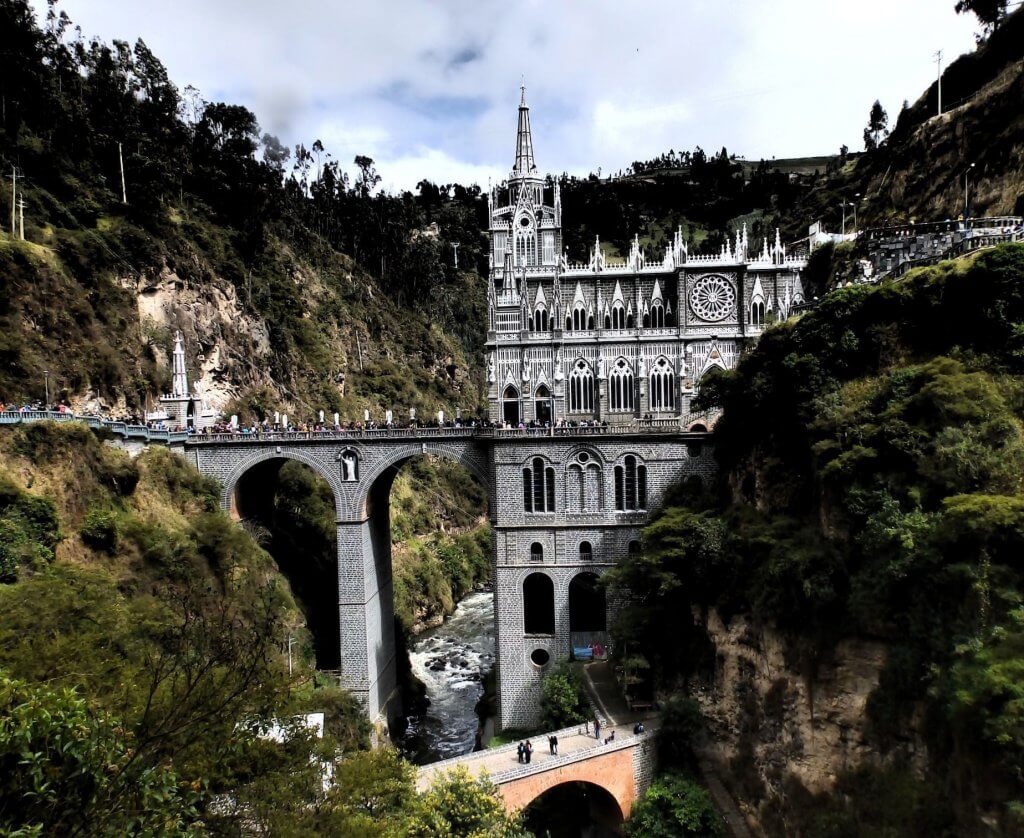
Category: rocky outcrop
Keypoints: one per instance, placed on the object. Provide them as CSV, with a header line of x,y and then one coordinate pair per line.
x,y
230,349
773,718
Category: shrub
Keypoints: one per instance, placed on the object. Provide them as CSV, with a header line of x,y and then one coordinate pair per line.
x,y
563,700
674,806
99,530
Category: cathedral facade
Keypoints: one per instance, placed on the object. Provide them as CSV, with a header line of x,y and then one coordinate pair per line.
x,y
591,370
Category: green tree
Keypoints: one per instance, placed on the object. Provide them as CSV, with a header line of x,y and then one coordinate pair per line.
x,y
875,132
563,699
67,769
460,806
675,806
990,13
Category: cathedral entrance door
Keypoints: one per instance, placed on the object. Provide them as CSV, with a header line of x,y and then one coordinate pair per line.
x,y
510,406
542,405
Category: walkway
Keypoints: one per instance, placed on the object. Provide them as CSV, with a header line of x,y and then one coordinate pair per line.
x,y
675,425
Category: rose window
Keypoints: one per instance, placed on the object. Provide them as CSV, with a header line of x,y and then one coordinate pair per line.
x,y
712,298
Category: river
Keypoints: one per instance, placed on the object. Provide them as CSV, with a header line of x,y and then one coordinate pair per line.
x,y
451,661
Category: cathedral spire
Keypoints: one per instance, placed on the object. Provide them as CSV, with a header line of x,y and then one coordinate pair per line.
x,y
524,140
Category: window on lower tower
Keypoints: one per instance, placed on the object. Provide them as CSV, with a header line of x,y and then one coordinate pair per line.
x,y
536,552
657,315
630,485
538,487
586,551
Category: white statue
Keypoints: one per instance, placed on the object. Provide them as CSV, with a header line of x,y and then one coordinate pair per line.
x,y
643,367
388,417
321,417
348,467
600,367
366,416
336,422
559,374
491,375
526,368
284,421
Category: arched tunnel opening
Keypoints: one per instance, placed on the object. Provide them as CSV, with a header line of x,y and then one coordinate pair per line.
x,y
574,810
289,509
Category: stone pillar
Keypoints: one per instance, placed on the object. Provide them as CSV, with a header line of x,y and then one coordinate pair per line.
x,y
366,616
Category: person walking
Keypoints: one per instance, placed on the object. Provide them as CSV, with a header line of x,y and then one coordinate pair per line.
x,y
553,745
597,728
521,751
528,751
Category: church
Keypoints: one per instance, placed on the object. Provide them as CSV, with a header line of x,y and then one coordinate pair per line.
x,y
591,371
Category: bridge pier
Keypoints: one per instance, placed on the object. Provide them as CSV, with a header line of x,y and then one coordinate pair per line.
x,y
366,618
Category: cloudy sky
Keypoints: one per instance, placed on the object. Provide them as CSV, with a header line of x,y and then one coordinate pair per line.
x,y
429,88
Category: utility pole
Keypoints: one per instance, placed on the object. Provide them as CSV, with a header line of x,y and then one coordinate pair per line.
x,y
455,249
21,217
46,379
938,61
120,158
14,196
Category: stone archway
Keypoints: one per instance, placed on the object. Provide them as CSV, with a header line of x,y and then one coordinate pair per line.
x,y
288,506
229,484
574,807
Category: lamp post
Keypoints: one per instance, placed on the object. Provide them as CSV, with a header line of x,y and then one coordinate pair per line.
x,y
46,380
856,200
967,204
844,219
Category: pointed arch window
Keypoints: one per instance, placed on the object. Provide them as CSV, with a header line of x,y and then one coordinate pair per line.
x,y
620,386
630,484
657,315
581,388
580,319
618,316
757,312
662,386
539,321
525,242
538,487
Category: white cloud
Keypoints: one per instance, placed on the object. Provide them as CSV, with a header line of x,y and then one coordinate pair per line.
x,y
435,84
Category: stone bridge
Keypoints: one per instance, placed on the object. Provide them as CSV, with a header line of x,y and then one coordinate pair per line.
x,y
589,491
618,772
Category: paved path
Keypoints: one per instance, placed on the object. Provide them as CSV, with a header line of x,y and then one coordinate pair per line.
x,y
495,762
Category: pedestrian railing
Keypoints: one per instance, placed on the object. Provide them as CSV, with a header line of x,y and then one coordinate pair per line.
x,y
162,436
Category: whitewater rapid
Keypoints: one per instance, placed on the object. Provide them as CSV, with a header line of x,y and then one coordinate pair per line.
x,y
451,661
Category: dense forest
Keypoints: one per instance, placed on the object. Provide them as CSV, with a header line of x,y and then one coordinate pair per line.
x,y
871,457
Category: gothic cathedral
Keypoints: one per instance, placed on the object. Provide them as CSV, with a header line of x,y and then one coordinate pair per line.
x,y
591,368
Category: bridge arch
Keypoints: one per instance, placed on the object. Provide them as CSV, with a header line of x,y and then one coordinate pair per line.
x,y
229,501
389,463
570,806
